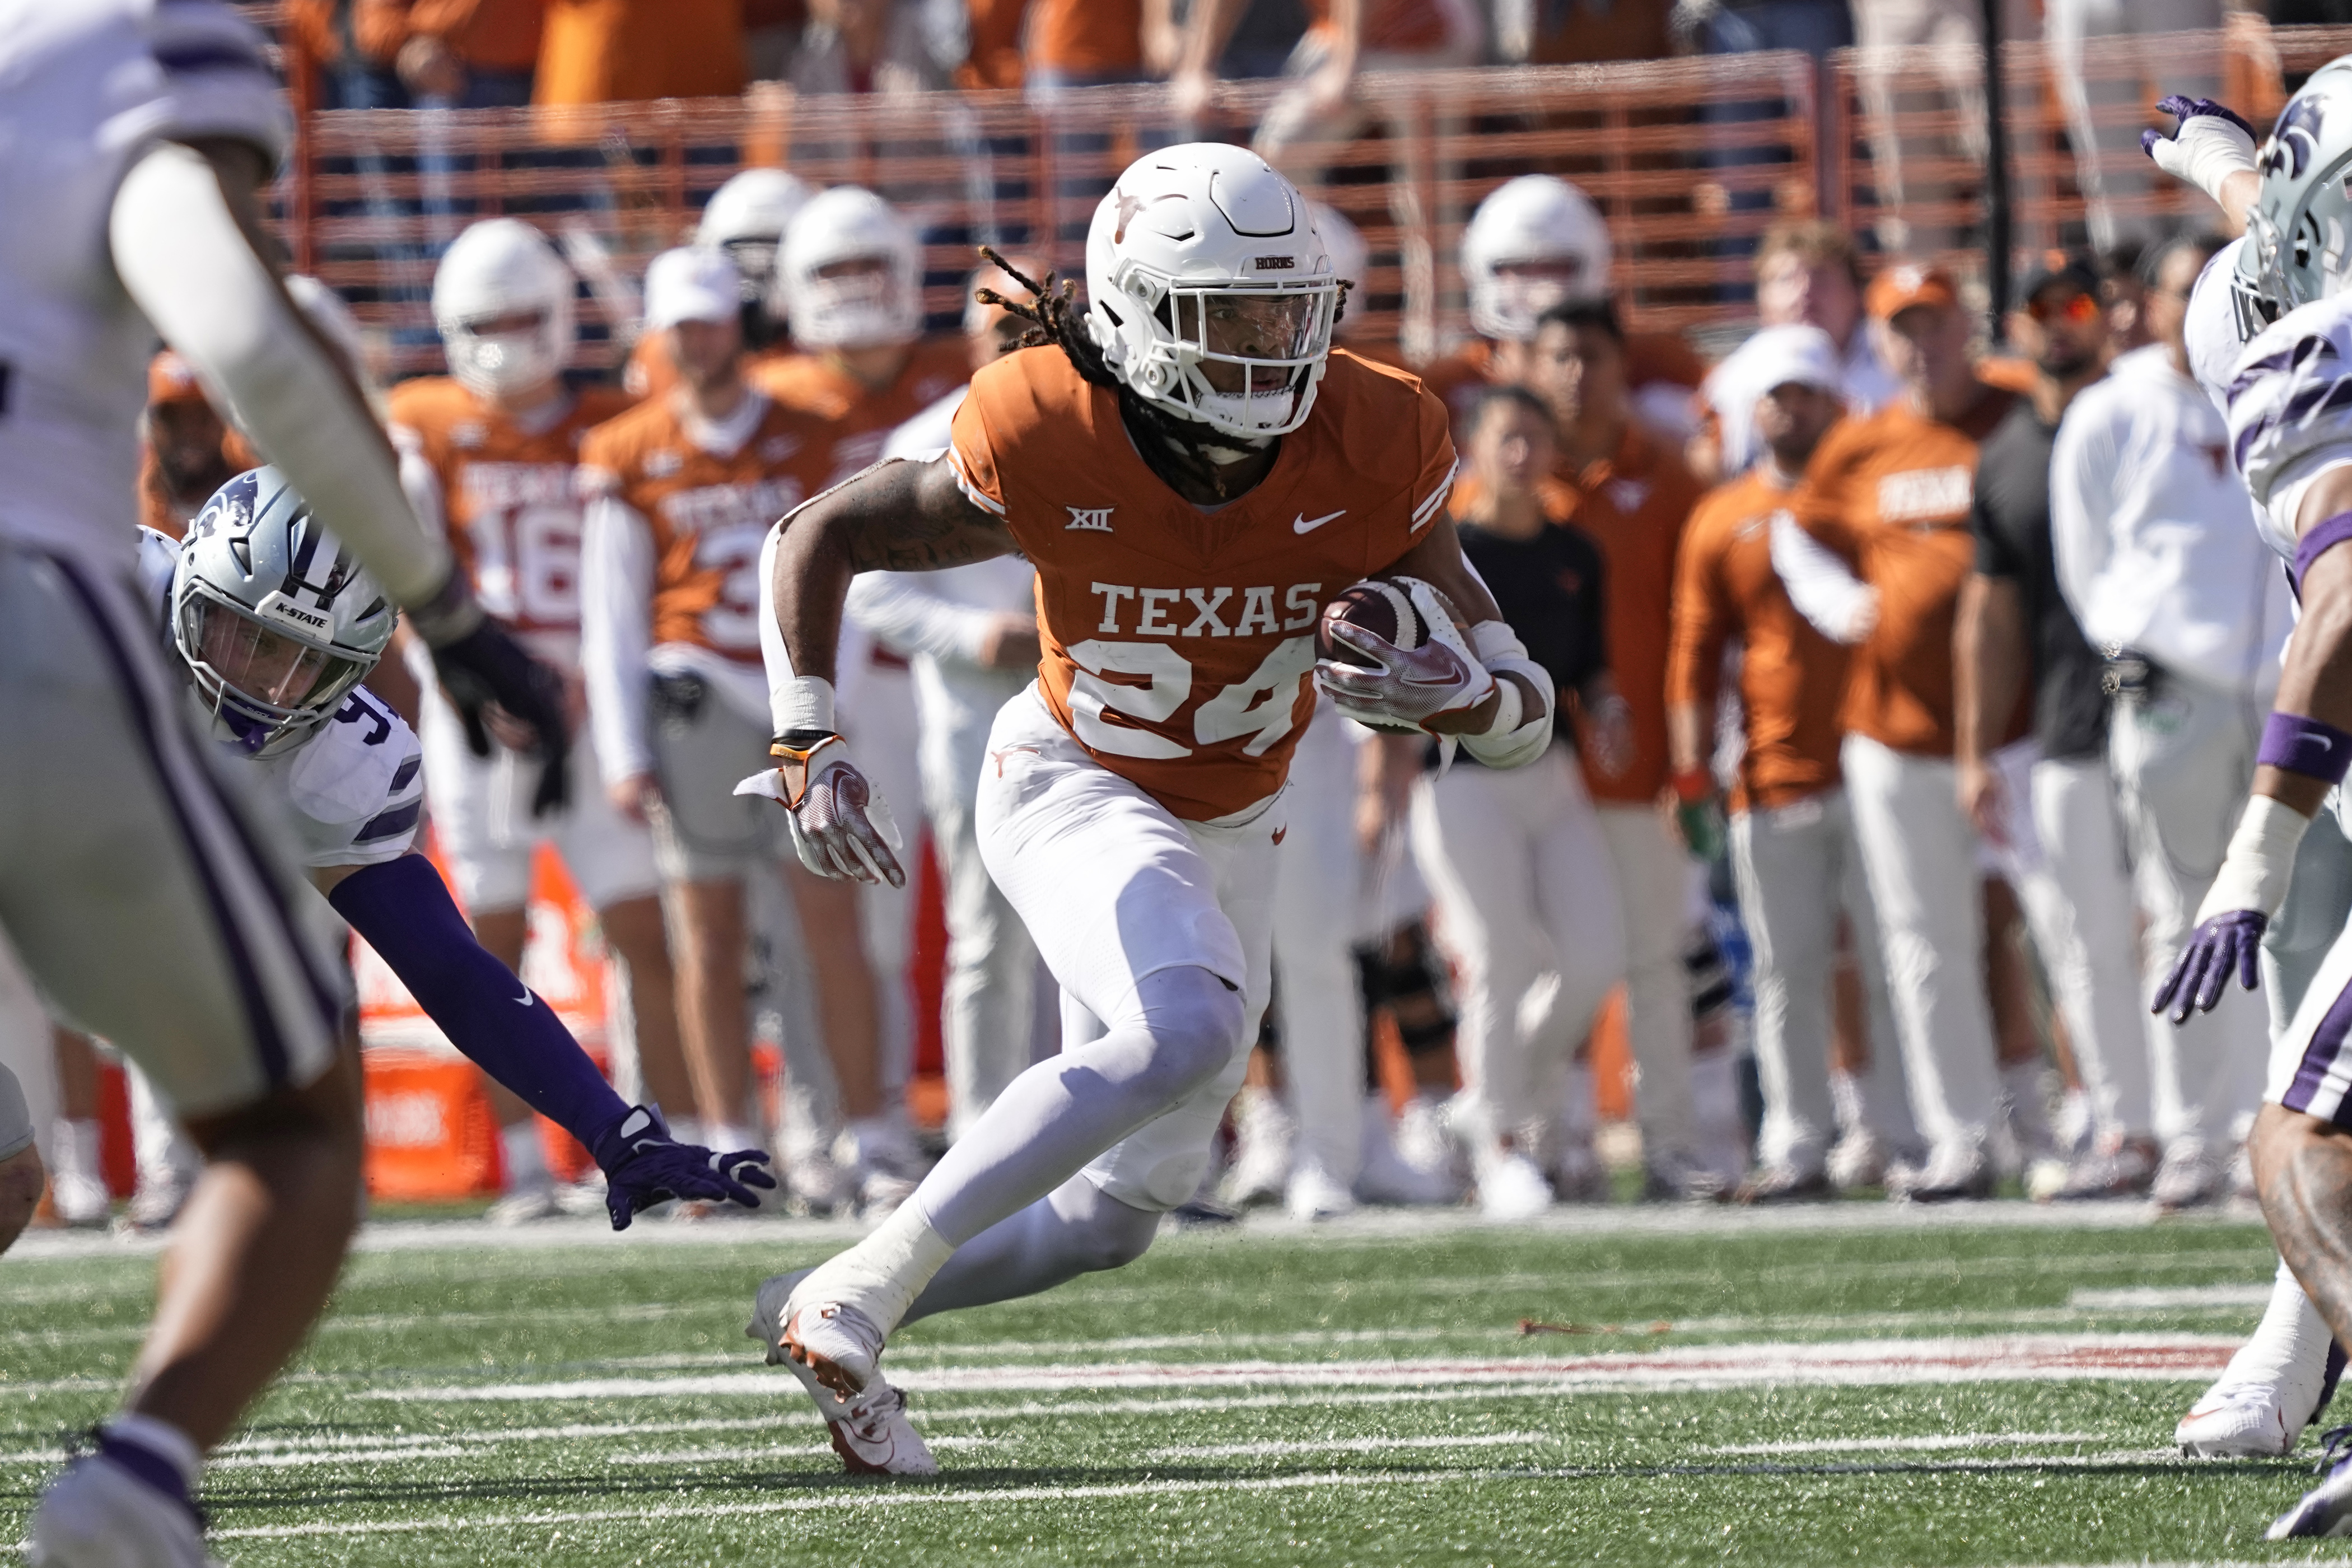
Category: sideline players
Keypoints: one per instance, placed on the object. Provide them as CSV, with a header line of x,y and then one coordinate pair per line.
x,y
1193,474
489,457
139,136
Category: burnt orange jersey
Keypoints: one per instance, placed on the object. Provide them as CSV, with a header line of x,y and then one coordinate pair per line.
x,y
863,417
1178,641
1635,506
506,494
1891,492
707,514
1791,677
651,372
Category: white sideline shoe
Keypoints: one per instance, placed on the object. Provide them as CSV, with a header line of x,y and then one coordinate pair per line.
x,y
1510,1188
528,1205
1408,1161
869,1429
81,1201
1858,1159
1263,1133
99,1515
1315,1194
2238,1421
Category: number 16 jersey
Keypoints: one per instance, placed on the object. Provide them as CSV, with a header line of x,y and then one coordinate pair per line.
x,y
1180,639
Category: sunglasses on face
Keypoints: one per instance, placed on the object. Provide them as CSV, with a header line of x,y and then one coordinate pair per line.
x,y
2077,308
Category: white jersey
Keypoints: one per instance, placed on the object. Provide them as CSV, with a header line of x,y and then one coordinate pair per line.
x,y
354,792
2218,324
2290,411
86,90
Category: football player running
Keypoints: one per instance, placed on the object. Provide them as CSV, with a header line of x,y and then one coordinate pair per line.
x,y
139,135
2286,396
334,761
1193,473
489,456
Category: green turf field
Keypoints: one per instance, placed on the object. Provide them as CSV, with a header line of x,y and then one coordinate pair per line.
x,y
1845,1385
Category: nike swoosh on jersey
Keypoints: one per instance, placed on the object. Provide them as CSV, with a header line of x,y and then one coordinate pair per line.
x,y
1303,524
526,999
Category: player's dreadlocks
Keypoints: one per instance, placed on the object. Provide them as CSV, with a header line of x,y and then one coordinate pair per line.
x,y
1052,317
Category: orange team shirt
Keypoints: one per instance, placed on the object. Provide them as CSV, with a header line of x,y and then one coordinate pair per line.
x,y
1891,493
1651,358
1400,27
1635,506
1791,677
707,514
862,418
509,501
603,51
1179,642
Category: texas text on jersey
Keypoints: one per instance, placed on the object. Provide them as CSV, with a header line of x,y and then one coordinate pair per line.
x,y
1179,640
505,492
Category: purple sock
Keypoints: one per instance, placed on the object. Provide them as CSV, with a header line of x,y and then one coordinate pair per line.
x,y
150,1466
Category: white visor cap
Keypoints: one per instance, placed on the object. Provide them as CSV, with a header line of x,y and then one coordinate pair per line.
x,y
691,284
1779,355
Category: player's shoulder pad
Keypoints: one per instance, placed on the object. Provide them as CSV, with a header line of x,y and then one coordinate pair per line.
x,y
362,774
1385,419
2290,394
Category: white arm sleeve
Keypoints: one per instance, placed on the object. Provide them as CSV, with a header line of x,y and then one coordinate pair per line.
x,y
180,255
617,597
1841,606
2082,505
896,608
421,482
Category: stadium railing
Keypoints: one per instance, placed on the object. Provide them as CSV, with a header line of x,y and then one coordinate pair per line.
x,y
1689,159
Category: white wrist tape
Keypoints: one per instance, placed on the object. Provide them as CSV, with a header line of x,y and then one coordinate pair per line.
x,y
2255,872
1519,735
800,702
2206,152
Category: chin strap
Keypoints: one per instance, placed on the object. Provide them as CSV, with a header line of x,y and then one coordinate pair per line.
x,y
1518,736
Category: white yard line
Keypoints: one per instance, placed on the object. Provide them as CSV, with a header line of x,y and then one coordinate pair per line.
x,y
1914,1445
1991,1359
2154,1298
1355,1446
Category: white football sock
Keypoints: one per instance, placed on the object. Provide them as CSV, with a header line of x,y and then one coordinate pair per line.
x,y
526,1156
2288,1351
78,1149
1077,1228
882,1274
2029,1118
726,1137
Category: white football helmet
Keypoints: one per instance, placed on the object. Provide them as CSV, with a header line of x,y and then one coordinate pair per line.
x,y
1533,222
1351,259
747,217
864,308
1202,257
503,267
2298,245
273,618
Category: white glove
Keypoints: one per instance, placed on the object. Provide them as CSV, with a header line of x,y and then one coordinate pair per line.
x,y
2211,144
840,826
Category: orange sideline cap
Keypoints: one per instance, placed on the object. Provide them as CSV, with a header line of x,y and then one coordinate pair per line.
x,y
1900,287
170,379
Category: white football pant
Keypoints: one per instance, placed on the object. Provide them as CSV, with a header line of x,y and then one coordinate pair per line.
x,y
1317,879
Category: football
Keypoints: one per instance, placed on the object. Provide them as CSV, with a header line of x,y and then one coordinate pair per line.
x,y
1375,604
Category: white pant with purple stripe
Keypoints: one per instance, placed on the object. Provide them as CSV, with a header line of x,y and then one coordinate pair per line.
x,y
150,904
2311,1059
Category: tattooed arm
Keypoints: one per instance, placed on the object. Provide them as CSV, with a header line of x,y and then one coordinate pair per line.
x,y
896,516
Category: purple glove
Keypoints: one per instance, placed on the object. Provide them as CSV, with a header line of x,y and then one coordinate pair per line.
x,y
643,1165
2227,942
1409,686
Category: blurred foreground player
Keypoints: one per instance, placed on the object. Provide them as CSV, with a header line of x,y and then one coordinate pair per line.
x,y
489,455
139,135
1193,474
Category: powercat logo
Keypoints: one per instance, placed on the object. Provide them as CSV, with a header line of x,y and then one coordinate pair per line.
x,y
2295,140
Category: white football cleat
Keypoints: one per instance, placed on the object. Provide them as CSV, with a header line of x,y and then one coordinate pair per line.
x,y
869,1429
1315,1194
2238,1421
1408,1160
1264,1136
837,1346
1510,1188
528,1205
98,1515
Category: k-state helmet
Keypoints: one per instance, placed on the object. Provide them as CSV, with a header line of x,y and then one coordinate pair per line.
x,y
275,619
850,273
1204,266
503,267
2299,232
747,217
1535,243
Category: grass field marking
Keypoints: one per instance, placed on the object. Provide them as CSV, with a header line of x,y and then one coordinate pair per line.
x,y
854,1495
1354,1445
1913,1445
2019,1358
2158,1297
